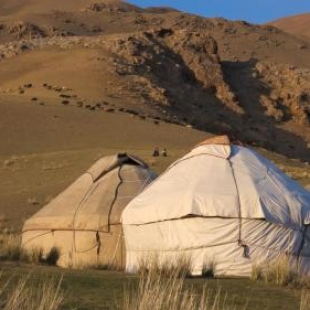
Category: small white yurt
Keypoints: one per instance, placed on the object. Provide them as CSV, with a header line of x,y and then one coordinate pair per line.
x,y
82,224
222,204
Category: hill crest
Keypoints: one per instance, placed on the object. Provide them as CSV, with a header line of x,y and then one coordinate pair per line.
x,y
298,25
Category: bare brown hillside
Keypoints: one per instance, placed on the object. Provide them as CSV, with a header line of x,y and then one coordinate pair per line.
x,y
297,25
252,82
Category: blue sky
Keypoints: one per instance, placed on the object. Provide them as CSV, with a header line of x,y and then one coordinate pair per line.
x,y
253,11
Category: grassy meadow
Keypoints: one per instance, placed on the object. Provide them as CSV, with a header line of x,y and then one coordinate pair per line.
x,y
103,289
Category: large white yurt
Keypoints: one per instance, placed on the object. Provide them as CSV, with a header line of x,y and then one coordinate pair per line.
x,y
222,204
82,224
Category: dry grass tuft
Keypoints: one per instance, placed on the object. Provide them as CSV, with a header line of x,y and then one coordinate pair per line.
x,y
25,296
281,272
33,256
208,268
304,300
155,264
257,272
36,256
159,292
10,247
11,250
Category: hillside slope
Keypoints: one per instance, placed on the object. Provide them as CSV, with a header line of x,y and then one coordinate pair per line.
x,y
249,81
298,25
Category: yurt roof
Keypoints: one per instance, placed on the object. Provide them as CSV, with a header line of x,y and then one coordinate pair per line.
x,y
96,199
220,179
